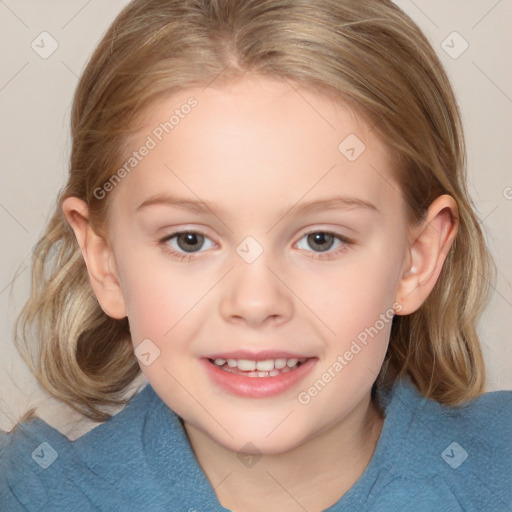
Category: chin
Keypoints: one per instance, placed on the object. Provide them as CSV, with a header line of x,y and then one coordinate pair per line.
x,y
254,436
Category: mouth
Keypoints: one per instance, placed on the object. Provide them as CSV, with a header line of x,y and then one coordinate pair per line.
x,y
262,375
258,369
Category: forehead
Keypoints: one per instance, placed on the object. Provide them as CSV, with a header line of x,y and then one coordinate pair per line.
x,y
257,141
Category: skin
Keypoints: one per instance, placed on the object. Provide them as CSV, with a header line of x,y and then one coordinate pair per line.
x,y
256,149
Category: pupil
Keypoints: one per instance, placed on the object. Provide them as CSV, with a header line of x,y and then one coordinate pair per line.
x,y
189,242
319,239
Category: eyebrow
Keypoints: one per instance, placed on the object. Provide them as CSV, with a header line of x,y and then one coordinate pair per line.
x,y
301,208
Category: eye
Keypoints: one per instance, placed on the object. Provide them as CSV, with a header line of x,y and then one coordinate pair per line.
x,y
323,242
185,243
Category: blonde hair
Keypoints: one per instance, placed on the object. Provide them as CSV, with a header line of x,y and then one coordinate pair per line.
x,y
365,53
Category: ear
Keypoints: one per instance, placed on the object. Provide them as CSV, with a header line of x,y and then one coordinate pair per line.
x,y
98,258
430,242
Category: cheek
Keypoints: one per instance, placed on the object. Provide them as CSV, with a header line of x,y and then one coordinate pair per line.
x,y
156,298
156,306
359,309
355,304
353,295
162,313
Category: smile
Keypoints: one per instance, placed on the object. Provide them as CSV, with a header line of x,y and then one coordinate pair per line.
x,y
258,378
266,368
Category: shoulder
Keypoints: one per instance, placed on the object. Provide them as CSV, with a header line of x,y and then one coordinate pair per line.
x,y
483,424
490,413
465,450
25,453
41,469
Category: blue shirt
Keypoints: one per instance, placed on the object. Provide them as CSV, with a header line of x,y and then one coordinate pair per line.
x,y
429,457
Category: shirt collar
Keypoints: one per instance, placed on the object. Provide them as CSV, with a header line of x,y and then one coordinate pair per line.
x,y
168,452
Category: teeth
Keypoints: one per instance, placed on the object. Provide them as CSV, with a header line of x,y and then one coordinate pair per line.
x,y
246,366
279,363
265,367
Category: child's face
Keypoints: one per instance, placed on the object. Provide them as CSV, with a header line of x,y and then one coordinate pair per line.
x,y
257,153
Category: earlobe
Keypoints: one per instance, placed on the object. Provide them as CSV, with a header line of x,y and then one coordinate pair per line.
x,y
431,242
98,258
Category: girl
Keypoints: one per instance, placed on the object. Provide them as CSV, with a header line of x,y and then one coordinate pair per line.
x,y
266,215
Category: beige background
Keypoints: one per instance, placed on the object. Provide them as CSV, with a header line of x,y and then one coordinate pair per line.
x,y
35,100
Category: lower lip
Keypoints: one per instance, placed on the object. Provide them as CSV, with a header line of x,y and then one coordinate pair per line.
x,y
257,387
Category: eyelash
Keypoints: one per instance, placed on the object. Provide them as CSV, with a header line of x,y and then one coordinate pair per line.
x,y
315,255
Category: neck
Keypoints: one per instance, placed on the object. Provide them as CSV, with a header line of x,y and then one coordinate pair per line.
x,y
311,476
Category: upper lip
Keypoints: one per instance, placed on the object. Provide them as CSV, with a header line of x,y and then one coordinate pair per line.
x,y
257,356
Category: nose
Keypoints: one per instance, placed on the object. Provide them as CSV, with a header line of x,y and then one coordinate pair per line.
x,y
256,295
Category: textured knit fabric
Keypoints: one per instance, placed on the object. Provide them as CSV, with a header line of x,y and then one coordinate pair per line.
x,y
428,458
